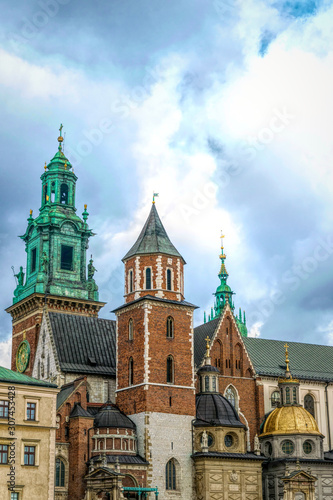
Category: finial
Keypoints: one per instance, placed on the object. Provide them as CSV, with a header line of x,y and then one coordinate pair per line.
x,y
204,316
154,196
288,375
65,165
60,138
207,339
85,214
31,212
45,167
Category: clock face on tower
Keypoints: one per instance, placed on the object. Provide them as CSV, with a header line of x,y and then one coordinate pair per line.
x,y
22,356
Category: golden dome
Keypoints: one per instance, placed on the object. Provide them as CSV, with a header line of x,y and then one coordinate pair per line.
x,y
290,420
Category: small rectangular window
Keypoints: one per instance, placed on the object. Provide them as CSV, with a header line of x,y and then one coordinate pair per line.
x,y
66,258
33,260
4,409
29,455
3,453
14,496
31,411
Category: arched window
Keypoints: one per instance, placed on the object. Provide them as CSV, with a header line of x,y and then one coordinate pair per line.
x,y
214,384
130,329
231,396
60,472
170,475
169,282
64,194
53,192
309,404
131,371
148,278
130,281
170,325
275,398
170,370
46,197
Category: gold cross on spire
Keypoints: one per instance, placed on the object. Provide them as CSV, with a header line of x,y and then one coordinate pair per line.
x,y
207,339
60,128
287,360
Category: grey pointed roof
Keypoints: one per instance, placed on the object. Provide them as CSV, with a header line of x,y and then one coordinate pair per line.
x,y
153,238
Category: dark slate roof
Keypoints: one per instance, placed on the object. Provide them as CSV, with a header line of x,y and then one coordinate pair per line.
x,y
214,409
13,378
157,299
200,333
153,238
78,411
123,459
307,361
110,416
64,393
208,368
236,456
84,344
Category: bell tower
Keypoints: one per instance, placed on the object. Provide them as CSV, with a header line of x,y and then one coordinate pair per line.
x,y
55,276
155,371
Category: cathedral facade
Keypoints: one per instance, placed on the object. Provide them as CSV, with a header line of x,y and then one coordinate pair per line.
x,y
149,406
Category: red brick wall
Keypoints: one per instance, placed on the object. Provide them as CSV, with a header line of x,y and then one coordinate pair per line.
x,y
150,261
78,455
31,327
229,355
160,347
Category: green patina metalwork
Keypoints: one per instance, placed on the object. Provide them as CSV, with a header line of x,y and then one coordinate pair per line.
x,y
57,239
223,295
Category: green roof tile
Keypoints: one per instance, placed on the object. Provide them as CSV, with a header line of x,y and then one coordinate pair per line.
x,y
307,361
12,377
153,238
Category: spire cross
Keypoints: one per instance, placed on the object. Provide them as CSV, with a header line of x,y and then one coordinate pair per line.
x,y
60,128
207,339
222,236
287,357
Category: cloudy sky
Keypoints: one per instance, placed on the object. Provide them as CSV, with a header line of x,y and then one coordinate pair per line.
x,y
223,107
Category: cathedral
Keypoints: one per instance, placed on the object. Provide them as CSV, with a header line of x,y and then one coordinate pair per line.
x,y
148,406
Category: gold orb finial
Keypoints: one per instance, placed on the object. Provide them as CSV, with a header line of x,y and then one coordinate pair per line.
x,y
207,339
45,167
85,206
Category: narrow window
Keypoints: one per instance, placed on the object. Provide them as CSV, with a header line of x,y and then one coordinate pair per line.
x,y
130,281
294,395
170,475
60,473
29,455
287,395
170,370
66,258
130,329
170,401
131,371
48,365
31,411
38,369
64,194
214,384
206,383
53,192
148,278
46,198
3,453
169,279
309,404
170,325
33,260
4,409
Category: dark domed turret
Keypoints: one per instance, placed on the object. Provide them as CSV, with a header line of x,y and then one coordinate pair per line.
x,y
110,416
214,409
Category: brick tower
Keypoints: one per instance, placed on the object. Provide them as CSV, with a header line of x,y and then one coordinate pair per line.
x,y
155,372
55,277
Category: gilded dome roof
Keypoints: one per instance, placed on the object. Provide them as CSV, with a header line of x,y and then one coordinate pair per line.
x,y
290,420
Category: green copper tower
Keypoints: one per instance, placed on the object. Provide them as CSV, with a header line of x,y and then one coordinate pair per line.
x,y
57,239
223,295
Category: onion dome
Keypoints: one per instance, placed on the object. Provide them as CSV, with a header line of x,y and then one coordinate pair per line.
x,y
110,416
290,420
214,409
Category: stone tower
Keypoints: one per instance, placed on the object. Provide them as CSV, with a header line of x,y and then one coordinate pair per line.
x,y
55,277
155,372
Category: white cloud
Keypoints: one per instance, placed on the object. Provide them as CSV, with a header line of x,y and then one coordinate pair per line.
x,y
5,353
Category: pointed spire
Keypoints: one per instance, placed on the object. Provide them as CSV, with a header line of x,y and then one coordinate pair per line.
x,y
223,274
153,238
204,316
